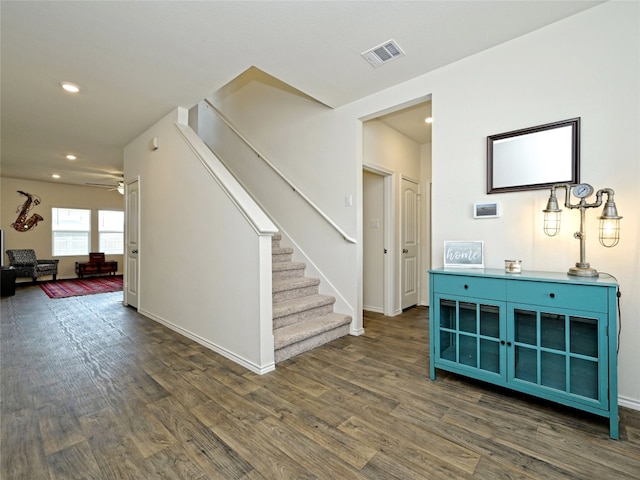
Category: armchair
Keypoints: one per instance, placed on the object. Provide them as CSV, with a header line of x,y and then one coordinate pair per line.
x,y
26,264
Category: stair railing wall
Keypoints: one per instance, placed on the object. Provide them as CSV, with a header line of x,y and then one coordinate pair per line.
x,y
262,157
205,247
318,241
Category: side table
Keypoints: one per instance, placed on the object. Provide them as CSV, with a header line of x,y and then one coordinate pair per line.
x,y
8,282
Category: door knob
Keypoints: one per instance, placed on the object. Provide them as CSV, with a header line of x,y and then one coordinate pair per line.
x,y
134,251
404,250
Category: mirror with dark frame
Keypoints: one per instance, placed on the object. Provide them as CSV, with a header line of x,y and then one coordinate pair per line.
x,y
534,158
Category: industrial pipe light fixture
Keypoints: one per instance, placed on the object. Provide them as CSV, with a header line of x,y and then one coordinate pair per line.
x,y
609,231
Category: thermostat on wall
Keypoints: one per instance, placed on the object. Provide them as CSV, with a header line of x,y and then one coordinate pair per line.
x,y
486,210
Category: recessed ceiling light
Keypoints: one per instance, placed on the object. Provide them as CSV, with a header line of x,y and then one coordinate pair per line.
x,y
55,175
71,157
428,120
70,87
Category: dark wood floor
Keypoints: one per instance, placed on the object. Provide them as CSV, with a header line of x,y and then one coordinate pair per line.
x,y
93,390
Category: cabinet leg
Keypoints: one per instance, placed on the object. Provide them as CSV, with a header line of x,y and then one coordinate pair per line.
x,y
613,424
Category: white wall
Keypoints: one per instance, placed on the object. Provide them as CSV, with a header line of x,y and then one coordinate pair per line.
x,y
53,195
203,266
585,66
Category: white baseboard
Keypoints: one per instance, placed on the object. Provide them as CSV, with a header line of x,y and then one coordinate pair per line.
x,y
631,403
257,369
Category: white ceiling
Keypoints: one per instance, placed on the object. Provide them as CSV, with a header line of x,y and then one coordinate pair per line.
x,y
136,61
410,122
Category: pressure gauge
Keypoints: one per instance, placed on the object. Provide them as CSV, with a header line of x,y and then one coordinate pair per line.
x,y
583,190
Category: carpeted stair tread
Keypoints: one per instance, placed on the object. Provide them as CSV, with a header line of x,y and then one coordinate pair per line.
x,y
296,305
293,283
296,287
302,342
299,332
281,254
283,269
281,250
279,267
303,319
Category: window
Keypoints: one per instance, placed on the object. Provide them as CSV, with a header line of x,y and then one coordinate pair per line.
x,y
71,231
111,231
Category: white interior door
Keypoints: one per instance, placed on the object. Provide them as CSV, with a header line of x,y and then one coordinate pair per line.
x,y
410,244
132,240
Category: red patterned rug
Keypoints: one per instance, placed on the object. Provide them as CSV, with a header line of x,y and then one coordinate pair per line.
x,y
82,286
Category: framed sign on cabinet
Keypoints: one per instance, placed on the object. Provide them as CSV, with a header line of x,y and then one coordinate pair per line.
x,y
464,254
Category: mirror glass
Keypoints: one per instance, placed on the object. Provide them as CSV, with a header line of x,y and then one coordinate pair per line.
x,y
534,158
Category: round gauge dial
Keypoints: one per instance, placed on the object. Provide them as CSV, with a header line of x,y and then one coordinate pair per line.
x,y
582,190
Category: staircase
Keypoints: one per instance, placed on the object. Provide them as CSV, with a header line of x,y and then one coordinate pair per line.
x,y
302,318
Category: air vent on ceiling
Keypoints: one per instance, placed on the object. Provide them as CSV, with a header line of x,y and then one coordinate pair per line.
x,y
383,53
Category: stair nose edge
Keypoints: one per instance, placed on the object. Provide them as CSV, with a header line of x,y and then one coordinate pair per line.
x,y
314,327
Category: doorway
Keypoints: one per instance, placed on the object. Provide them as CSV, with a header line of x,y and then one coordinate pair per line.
x,y
394,151
377,206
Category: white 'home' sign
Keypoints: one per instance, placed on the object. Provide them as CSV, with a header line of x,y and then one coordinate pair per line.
x,y
464,254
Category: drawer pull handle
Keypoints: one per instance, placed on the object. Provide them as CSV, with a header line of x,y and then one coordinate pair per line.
x,y
466,286
502,342
552,295
508,344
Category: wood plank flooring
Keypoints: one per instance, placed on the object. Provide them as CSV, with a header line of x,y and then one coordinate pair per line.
x,y
92,390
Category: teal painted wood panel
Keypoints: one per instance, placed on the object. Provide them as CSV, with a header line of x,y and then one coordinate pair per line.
x,y
490,288
589,298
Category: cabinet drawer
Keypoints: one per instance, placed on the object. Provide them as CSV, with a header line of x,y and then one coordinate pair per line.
x,y
489,288
574,297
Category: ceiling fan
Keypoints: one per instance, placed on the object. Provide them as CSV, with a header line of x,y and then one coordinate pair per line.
x,y
118,186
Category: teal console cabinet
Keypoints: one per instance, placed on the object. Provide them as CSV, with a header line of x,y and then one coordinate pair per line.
x,y
546,334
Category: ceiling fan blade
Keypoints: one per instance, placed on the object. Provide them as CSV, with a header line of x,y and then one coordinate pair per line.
x,y
119,187
101,185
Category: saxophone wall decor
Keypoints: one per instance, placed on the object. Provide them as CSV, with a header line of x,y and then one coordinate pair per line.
x,y
24,223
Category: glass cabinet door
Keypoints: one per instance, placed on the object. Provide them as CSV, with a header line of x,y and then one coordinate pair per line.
x,y
584,352
448,345
559,351
469,334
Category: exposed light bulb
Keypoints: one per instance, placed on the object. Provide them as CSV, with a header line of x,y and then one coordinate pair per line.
x,y
55,175
428,120
551,223
71,157
70,87
609,224
552,215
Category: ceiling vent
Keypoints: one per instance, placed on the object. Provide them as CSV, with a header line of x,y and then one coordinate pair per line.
x,y
383,53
